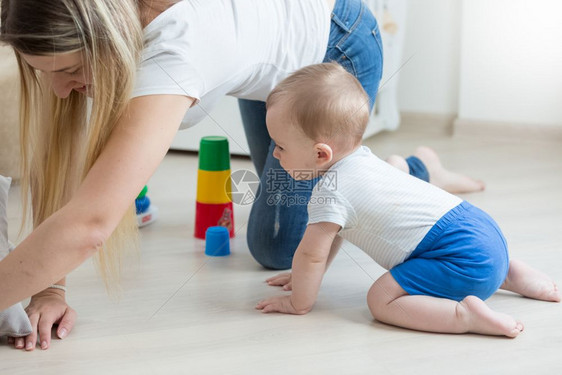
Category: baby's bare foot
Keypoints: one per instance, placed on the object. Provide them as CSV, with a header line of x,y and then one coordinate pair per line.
x,y
481,319
530,282
398,162
452,182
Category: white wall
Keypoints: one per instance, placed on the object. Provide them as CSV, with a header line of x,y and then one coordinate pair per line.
x,y
485,60
429,81
511,61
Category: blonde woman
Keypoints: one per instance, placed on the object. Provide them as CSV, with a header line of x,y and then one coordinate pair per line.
x,y
151,67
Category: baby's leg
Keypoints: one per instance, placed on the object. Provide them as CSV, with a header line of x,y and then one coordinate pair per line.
x,y
389,303
529,282
399,162
439,176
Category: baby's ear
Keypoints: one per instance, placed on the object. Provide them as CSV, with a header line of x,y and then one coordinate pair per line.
x,y
324,153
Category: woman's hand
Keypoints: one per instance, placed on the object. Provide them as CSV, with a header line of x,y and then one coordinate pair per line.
x,y
46,309
283,280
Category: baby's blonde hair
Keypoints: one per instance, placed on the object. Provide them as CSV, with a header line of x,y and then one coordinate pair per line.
x,y
326,102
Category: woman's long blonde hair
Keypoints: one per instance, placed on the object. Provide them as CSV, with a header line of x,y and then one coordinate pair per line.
x,y
59,140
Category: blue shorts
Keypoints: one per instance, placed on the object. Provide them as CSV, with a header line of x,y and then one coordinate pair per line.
x,y
463,254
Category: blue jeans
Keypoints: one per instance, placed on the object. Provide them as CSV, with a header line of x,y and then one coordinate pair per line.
x,y
279,215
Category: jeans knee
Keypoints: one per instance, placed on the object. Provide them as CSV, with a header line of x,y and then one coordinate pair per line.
x,y
268,252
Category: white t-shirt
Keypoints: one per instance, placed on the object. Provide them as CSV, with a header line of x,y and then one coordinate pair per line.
x,y
206,49
382,210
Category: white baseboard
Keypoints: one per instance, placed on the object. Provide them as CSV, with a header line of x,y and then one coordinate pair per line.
x,y
450,124
427,123
507,131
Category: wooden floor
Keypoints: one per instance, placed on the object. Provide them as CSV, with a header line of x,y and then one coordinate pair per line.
x,y
184,313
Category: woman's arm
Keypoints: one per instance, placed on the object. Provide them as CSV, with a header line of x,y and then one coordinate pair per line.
x,y
67,238
309,264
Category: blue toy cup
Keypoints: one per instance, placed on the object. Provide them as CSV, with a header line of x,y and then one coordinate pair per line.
x,y
142,205
217,241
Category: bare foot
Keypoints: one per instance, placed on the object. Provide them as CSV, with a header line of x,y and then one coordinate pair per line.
x,y
481,319
452,182
530,282
398,162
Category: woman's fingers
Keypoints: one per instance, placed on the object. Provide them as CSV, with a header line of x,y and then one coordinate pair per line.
x,y
48,320
44,327
31,339
19,342
66,323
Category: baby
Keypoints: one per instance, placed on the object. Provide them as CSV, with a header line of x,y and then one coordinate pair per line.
x,y
444,256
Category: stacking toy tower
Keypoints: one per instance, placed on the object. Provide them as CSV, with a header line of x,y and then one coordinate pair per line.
x,y
146,212
213,206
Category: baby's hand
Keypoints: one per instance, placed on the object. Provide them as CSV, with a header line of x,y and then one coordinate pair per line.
x,y
280,304
283,279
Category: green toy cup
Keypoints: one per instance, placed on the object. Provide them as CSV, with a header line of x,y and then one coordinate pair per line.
x,y
214,154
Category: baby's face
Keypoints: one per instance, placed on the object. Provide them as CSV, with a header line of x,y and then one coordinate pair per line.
x,y
294,150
